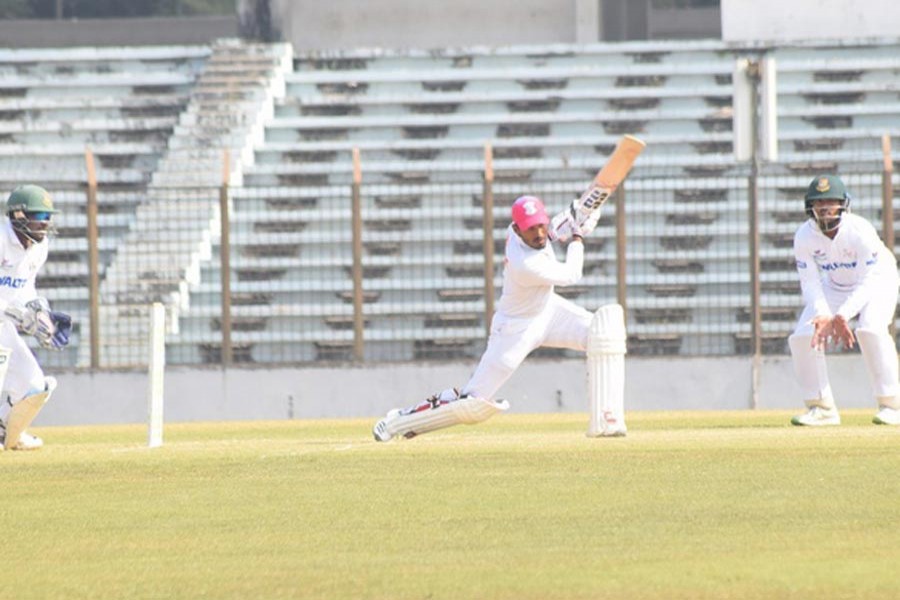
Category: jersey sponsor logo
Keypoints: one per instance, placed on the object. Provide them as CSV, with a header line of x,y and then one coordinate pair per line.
x,y
801,264
834,266
13,282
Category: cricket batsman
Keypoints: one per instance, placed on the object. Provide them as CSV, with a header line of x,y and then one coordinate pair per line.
x,y
530,314
846,272
23,244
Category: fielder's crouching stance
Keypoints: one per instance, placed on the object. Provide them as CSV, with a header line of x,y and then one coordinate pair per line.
x,y
845,272
23,244
530,315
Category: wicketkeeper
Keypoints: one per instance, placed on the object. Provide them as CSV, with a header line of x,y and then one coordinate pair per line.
x,y
846,272
530,315
23,244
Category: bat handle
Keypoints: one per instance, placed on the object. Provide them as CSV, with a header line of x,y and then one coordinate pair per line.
x,y
593,198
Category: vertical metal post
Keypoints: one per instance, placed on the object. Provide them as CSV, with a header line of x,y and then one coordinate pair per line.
x,y
621,258
225,264
753,210
357,270
887,205
93,239
887,194
488,247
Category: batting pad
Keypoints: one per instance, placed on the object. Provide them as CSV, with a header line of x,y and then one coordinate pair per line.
x,y
468,410
811,372
606,372
24,411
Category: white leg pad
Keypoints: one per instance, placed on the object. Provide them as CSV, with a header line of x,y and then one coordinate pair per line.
x,y
811,372
606,372
427,417
880,356
24,411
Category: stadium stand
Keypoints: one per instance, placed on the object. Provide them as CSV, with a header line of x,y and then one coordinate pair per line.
x,y
160,120
159,259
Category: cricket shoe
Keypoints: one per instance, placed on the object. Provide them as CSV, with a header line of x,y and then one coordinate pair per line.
x,y
380,431
818,416
887,416
26,440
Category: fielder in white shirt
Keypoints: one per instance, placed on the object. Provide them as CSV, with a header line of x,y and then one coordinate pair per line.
x,y
846,272
530,314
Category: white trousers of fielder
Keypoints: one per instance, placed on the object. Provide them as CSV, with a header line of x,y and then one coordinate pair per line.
x,y
875,344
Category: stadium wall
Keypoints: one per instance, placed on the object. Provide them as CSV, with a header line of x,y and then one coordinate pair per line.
x,y
311,25
765,20
539,386
27,33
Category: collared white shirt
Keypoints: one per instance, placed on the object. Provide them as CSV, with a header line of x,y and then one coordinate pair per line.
x,y
529,275
855,261
18,267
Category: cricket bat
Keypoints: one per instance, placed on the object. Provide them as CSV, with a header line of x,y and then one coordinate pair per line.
x,y
602,187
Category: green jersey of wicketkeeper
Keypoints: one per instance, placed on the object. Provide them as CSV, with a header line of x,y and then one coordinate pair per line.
x,y
530,314
23,251
846,272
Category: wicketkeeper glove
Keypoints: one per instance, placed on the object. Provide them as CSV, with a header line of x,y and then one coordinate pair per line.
x,y
63,325
51,329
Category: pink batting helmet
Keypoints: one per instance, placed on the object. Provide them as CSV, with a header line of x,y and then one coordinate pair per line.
x,y
528,211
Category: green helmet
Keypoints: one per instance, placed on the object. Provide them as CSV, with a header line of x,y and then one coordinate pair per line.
x,y
29,209
30,199
826,187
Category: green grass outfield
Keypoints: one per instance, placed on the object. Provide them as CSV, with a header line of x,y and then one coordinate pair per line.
x,y
689,505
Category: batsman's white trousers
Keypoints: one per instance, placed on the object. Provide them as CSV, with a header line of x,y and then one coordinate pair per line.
x,y
561,324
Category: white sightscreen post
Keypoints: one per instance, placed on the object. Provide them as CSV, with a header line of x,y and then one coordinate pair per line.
x,y
768,113
156,375
742,115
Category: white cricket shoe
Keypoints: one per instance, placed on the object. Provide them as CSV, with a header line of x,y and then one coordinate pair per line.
x,y
26,441
380,431
887,416
817,416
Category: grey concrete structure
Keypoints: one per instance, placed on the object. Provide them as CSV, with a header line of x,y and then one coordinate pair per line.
x,y
539,386
116,32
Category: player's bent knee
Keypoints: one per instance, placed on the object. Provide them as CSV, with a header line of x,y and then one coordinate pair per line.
x,y
800,342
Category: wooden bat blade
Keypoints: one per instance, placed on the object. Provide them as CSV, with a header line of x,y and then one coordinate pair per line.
x,y
620,162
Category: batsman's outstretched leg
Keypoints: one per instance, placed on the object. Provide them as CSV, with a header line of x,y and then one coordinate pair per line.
x,y
442,410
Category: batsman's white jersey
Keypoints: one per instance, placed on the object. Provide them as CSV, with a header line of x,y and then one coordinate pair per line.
x,y
852,274
18,270
530,314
